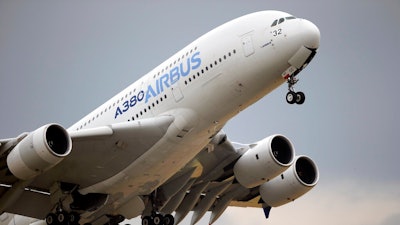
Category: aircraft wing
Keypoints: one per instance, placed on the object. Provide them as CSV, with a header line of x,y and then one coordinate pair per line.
x,y
93,150
264,174
218,182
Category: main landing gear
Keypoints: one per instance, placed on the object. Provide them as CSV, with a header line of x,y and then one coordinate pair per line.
x,y
292,96
62,218
153,215
158,219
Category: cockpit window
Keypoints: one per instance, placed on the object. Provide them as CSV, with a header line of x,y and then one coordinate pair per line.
x,y
281,20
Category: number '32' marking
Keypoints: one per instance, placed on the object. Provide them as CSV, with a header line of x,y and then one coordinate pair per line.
x,y
276,32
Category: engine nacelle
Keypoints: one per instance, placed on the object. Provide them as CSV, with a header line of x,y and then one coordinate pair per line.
x,y
39,151
301,177
264,160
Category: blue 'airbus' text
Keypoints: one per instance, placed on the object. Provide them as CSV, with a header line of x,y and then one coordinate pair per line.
x,y
161,84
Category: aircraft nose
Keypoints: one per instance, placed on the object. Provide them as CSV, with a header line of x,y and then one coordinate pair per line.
x,y
312,34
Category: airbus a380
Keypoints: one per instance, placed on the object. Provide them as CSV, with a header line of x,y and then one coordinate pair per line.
x,y
157,149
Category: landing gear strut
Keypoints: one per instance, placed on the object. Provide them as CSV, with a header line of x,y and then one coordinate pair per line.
x,y
156,217
292,96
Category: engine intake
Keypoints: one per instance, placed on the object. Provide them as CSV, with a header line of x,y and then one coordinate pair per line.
x,y
301,177
39,151
264,160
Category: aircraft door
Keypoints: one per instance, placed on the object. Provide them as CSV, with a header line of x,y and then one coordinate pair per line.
x,y
247,45
177,92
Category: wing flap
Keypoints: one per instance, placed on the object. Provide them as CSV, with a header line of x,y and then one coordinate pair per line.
x,y
31,204
254,203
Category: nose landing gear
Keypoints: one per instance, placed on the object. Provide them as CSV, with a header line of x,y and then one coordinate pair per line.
x,y
292,96
295,97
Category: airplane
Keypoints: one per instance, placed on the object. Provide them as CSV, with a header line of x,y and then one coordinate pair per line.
x,y
157,149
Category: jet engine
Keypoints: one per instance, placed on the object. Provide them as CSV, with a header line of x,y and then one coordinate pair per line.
x,y
264,160
301,177
39,151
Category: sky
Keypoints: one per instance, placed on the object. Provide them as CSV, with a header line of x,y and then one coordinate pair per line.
x,y
59,60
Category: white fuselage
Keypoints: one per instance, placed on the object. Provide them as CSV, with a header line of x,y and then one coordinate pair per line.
x,y
202,87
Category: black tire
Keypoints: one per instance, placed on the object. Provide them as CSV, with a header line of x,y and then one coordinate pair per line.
x,y
62,218
169,219
74,218
51,219
147,220
291,97
158,219
300,98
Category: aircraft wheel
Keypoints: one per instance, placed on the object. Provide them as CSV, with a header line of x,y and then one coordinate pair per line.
x,y
147,220
169,219
62,218
300,98
291,97
158,219
51,219
74,218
